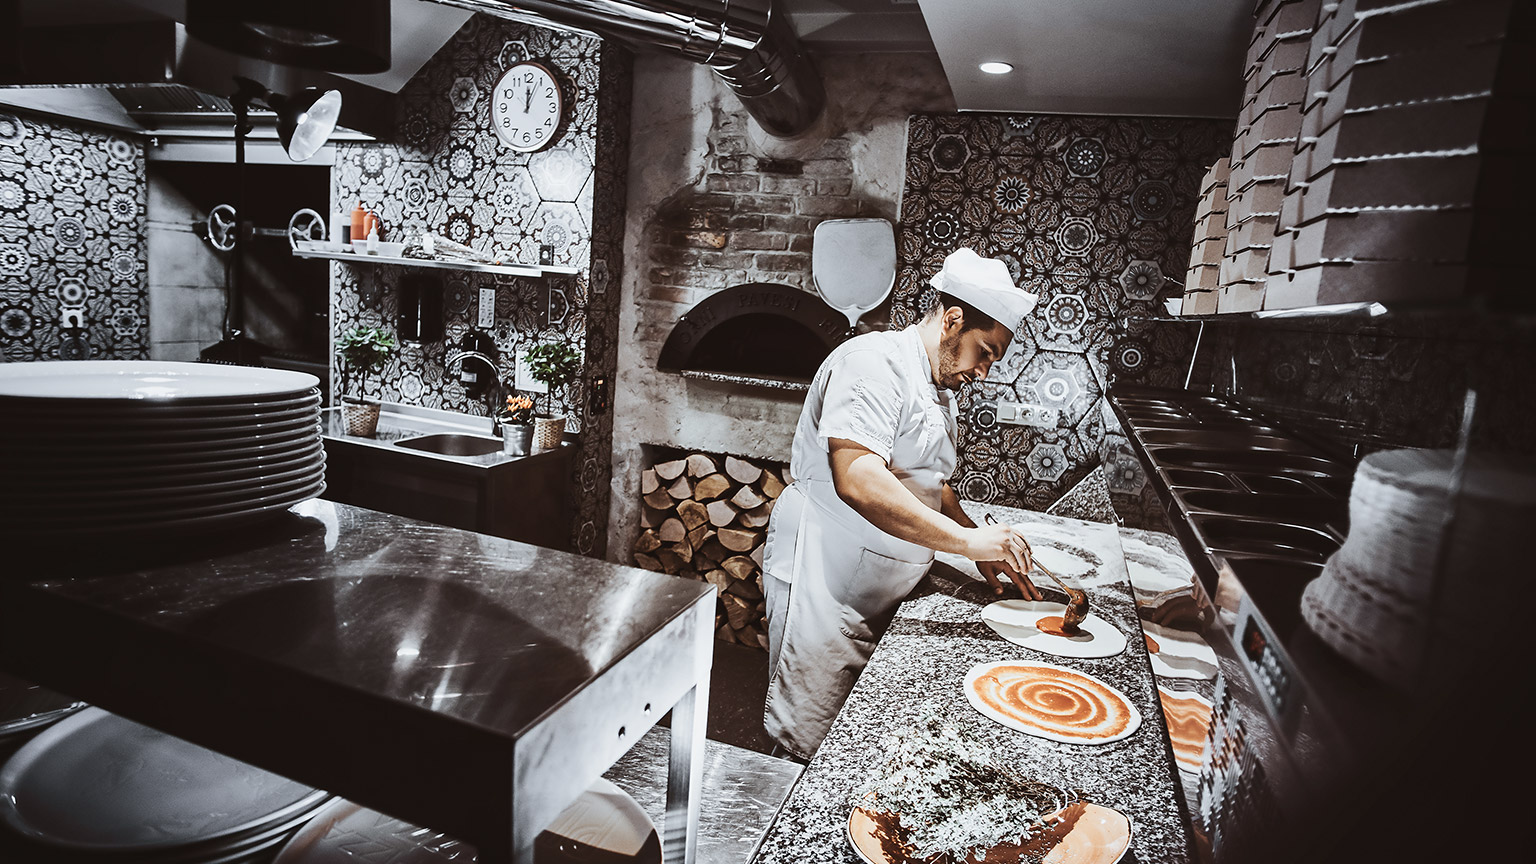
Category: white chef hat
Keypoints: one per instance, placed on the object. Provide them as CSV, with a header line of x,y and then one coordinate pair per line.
x,y
985,284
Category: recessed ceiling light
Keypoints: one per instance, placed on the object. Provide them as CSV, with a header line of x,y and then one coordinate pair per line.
x,y
992,67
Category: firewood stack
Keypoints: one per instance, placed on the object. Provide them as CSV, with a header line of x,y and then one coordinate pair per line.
x,y
706,517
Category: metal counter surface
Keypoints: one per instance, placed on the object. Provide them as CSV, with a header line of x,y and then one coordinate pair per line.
x,y
936,637
434,674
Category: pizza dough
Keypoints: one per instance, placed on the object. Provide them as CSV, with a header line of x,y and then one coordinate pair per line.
x,y
1018,621
1051,702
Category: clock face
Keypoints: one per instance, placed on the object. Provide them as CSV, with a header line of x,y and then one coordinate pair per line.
x,y
526,107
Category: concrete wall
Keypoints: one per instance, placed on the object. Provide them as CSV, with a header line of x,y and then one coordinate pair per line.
x,y
186,277
714,202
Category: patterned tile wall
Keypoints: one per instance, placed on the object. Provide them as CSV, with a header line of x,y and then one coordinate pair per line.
x,y
72,242
447,172
1091,214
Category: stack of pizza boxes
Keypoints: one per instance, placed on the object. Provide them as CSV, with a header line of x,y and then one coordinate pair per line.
x,y
1274,91
1406,164
1203,283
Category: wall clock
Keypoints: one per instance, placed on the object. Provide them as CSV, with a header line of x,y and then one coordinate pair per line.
x,y
526,107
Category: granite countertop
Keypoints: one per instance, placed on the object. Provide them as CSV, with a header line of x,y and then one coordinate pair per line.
x,y
936,637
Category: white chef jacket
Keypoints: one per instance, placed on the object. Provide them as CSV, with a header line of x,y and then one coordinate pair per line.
x,y
833,578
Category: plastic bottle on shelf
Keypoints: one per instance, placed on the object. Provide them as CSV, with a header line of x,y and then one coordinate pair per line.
x,y
373,239
359,222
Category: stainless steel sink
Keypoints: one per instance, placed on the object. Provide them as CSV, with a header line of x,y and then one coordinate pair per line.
x,y
1275,484
1246,460
1292,509
1208,437
1229,534
1196,479
452,444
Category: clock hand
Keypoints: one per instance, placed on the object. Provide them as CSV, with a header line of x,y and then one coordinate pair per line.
x,y
527,99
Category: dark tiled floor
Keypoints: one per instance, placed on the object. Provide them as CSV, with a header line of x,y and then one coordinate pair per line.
x,y
738,683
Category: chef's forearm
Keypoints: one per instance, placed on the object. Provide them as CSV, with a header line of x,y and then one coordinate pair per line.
x,y
865,483
951,508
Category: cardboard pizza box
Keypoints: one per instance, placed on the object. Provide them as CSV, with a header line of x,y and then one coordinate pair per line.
x,y
1203,277
1199,303
1244,296
1385,282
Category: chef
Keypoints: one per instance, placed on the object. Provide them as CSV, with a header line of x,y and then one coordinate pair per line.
x,y
871,500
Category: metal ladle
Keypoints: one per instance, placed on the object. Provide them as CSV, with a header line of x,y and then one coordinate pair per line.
x,y
1077,600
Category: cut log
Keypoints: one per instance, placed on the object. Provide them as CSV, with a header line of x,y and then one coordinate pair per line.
x,y
721,513
711,548
684,553
671,562
738,540
771,485
719,578
757,554
746,589
647,541
724,632
702,559
647,562
681,488
711,487
757,517
741,470
697,535
659,500
648,481
672,530
700,465
740,567
692,513
739,611
747,498
670,471
650,517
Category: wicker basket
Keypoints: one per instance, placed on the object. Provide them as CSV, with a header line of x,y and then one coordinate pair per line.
x,y
1376,602
548,432
362,418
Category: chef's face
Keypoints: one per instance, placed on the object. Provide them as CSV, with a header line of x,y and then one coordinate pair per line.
x,y
966,357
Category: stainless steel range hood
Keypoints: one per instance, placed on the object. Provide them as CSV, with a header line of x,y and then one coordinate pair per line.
x,y
129,65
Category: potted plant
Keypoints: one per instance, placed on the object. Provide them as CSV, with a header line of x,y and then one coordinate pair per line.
x,y
362,350
556,364
516,421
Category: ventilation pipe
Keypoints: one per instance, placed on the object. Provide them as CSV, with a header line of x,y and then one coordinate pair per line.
x,y
746,42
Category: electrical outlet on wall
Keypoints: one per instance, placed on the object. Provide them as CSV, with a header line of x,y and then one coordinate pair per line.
x,y
486,318
1025,414
71,317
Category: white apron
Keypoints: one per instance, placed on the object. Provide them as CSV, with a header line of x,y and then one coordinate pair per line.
x,y
848,577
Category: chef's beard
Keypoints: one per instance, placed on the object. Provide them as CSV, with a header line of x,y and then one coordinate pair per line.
x,y
949,361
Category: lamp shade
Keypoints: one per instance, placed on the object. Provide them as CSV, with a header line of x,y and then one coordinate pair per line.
x,y
349,37
306,120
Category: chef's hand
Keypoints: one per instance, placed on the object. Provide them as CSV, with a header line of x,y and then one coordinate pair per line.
x,y
1000,544
990,569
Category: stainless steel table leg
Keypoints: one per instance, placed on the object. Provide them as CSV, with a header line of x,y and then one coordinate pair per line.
x,y
685,776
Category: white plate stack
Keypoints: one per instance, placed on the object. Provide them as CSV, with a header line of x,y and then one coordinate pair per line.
x,y
100,788
129,447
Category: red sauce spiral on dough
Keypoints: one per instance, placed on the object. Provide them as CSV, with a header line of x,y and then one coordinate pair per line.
x,y
1054,700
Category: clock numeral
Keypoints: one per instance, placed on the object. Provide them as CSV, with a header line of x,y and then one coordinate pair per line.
x,y
549,91
506,122
549,121
527,137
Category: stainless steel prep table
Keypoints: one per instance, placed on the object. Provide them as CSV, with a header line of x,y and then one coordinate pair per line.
x,y
463,682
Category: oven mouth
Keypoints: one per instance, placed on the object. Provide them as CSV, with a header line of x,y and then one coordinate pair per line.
x,y
758,333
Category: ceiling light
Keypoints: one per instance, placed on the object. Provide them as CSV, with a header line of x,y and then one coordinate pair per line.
x,y
993,67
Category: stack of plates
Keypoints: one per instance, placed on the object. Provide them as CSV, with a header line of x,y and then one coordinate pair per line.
x,y
26,707
127,446
99,788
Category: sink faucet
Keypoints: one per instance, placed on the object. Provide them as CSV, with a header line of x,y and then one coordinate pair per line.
x,y
475,358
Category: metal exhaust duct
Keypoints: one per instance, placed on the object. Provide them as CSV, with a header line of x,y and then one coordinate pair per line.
x,y
746,42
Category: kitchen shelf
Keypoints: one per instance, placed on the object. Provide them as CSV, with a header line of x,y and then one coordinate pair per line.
x,y
534,270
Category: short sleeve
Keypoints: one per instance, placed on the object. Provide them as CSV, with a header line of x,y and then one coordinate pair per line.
x,y
862,403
